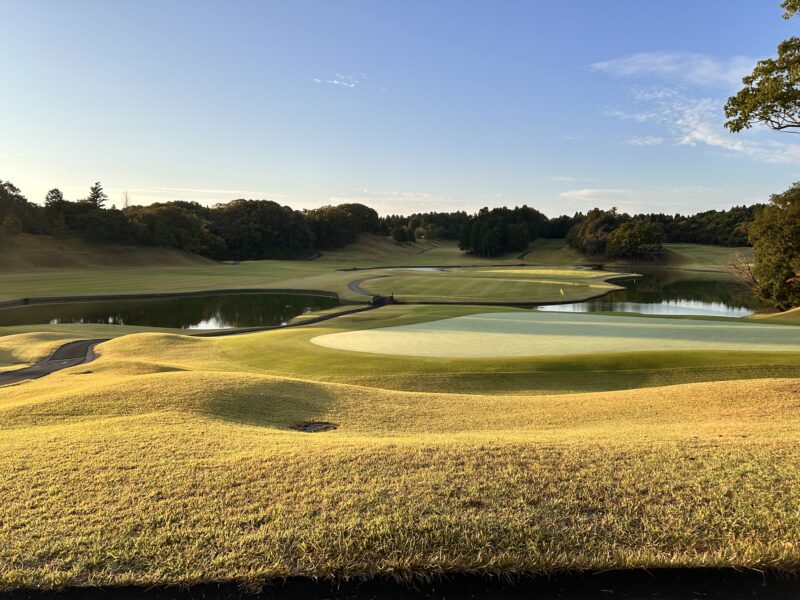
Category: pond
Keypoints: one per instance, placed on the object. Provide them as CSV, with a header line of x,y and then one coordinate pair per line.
x,y
213,311
672,292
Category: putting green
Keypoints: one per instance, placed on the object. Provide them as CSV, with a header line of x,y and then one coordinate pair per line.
x,y
552,334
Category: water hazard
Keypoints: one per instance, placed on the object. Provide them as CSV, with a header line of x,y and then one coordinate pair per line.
x,y
669,292
214,311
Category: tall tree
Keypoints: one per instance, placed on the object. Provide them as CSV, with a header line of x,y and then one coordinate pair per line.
x,y
54,198
55,211
12,203
775,235
97,197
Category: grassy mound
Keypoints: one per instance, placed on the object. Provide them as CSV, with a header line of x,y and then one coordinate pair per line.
x,y
788,317
24,253
553,252
107,479
290,353
177,460
23,349
693,257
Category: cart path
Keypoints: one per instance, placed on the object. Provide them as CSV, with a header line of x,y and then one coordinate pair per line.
x,y
70,354
355,286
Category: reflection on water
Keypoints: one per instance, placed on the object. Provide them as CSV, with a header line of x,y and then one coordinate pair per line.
x,y
665,292
185,312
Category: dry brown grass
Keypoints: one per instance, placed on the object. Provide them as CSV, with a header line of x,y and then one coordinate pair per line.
x,y
168,461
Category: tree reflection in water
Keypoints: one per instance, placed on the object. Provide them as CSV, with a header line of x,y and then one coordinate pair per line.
x,y
184,312
663,292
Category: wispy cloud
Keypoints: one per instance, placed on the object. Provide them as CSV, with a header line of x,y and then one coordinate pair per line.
x,y
686,67
398,201
568,178
600,196
680,97
645,140
346,80
698,121
669,198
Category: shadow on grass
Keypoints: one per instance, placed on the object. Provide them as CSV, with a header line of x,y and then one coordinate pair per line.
x,y
664,584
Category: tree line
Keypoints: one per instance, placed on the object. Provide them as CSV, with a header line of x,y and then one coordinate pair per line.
x,y
619,235
498,231
236,230
261,229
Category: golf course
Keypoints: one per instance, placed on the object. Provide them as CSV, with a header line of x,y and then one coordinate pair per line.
x,y
456,430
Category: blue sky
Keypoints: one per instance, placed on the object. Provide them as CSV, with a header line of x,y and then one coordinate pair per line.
x,y
404,106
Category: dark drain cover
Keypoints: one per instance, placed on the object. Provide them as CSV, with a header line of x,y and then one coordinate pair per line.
x,y
316,427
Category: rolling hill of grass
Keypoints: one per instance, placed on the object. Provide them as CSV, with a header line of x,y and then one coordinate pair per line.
x,y
213,481
290,353
788,317
25,253
177,460
553,252
691,257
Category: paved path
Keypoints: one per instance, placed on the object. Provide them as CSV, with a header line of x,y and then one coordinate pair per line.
x,y
68,355
355,286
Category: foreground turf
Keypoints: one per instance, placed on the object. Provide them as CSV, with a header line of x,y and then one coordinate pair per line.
x,y
173,459
106,479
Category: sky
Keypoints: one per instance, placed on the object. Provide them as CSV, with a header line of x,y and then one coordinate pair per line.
x,y
404,106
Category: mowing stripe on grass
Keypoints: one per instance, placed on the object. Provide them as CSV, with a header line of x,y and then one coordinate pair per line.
x,y
552,334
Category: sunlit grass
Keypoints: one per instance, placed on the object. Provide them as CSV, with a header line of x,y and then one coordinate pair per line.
x,y
489,285
108,479
173,459
553,334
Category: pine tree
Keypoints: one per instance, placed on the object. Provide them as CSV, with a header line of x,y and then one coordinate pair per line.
x,y
97,197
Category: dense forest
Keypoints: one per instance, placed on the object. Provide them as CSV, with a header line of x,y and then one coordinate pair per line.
x,y
236,230
261,229
616,235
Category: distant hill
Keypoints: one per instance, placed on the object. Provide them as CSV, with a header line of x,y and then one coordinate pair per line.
x,y
692,257
25,252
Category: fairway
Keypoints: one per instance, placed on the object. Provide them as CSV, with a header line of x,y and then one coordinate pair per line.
x,y
72,269
487,285
553,334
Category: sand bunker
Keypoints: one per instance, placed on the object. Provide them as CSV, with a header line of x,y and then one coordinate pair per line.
x,y
553,334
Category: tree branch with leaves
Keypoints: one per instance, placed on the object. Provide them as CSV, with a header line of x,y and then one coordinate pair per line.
x,y
771,93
